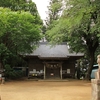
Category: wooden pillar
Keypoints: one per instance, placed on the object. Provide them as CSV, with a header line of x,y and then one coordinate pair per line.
x,y
61,71
44,71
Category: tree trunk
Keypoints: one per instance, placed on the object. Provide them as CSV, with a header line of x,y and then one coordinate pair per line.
x,y
78,69
88,76
1,66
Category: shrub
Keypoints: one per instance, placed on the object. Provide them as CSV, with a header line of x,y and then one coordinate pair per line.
x,y
10,73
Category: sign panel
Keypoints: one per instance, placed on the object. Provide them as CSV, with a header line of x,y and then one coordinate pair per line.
x,y
68,71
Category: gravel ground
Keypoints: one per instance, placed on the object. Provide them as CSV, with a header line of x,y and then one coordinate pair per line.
x,y
46,90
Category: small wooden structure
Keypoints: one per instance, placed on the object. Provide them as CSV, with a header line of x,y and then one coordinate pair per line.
x,y
52,61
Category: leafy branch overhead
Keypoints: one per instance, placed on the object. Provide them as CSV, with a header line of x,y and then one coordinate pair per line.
x,y
19,30
20,26
79,26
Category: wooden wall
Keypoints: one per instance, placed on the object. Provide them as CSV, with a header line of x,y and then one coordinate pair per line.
x,y
35,64
68,67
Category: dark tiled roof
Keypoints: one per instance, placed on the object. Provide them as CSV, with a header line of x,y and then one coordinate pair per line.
x,y
46,50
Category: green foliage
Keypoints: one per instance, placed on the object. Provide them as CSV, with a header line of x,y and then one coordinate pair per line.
x,y
19,30
10,73
19,5
4,53
76,25
54,10
79,26
19,34
58,32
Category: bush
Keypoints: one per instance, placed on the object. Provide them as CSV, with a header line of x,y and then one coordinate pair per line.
x,y
10,73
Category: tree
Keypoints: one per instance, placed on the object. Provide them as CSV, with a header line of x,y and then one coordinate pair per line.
x,y
19,33
19,5
54,10
23,39
79,25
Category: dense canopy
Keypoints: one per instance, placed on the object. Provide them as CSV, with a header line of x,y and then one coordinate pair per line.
x,y
79,26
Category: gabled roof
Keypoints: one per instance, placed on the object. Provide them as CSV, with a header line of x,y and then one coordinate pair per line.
x,y
45,50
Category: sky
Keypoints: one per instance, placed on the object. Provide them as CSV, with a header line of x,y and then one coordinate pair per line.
x,y
42,7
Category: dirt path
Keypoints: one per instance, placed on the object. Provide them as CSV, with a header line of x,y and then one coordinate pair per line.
x,y
44,90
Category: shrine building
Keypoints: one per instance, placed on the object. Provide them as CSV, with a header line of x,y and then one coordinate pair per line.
x,y
52,62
